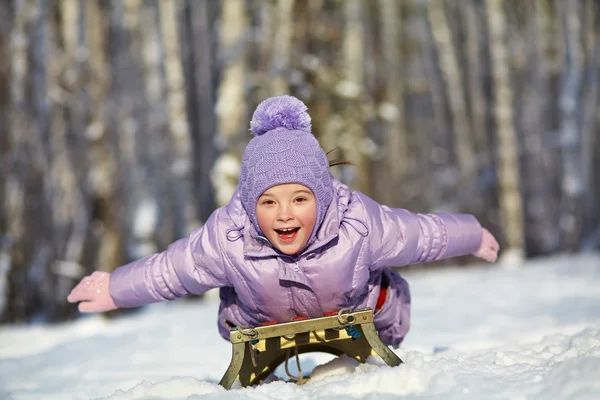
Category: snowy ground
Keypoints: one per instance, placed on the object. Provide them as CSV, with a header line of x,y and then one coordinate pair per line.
x,y
484,333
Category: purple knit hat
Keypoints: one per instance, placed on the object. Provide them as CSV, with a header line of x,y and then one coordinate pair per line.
x,y
284,150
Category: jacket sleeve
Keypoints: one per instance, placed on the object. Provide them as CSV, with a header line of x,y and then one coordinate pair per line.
x,y
398,237
191,265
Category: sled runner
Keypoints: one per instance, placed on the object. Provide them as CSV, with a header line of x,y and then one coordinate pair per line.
x,y
258,351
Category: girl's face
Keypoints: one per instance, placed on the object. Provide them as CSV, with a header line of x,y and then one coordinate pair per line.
x,y
286,214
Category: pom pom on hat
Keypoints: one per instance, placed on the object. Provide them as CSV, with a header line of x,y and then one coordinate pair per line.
x,y
280,112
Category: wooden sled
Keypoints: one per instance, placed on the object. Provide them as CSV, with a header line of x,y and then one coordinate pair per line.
x,y
258,351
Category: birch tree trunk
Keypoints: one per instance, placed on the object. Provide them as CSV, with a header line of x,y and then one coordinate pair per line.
x,y
231,110
142,130
442,36
72,76
441,131
536,193
592,62
282,47
590,128
20,132
6,22
266,32
351,88
68,214
507,161
154,90
72,202
201,100
107,188
570,129
65,78
542,201
178,124
103,164
396,142
324,123
477,99
18,120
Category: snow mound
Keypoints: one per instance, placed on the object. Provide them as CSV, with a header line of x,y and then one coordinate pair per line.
x,y
530,333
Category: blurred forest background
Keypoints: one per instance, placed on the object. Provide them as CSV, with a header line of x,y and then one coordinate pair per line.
x,y
122,121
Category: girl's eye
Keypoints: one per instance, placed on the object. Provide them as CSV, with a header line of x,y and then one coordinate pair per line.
x,y
267,202
300,199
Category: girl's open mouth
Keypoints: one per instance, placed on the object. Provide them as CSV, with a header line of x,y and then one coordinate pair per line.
x,y
287,234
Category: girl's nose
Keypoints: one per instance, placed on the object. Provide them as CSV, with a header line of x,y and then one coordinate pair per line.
x,y
284,214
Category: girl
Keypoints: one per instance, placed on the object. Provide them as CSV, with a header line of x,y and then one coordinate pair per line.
x,y
292,242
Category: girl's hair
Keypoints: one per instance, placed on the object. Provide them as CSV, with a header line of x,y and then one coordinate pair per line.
x,y
337,161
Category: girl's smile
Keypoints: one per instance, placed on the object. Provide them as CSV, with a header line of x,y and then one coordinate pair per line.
x,y
286,214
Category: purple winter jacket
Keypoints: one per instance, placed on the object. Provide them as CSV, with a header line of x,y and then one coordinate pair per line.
x,y
343,267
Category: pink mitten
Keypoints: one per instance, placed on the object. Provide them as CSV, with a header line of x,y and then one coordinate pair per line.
x,y
488,250
93,293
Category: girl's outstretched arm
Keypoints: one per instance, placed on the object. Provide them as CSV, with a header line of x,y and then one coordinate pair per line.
x,y
189,266
399,237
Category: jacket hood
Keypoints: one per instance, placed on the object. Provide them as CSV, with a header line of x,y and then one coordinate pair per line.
x,y
256,245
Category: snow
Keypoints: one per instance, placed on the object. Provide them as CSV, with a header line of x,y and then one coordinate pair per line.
x,y
477,333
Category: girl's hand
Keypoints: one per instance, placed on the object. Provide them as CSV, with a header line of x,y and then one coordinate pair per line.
x,y
92,293
488,250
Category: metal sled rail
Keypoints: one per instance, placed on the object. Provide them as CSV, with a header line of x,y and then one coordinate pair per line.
x,y
258,351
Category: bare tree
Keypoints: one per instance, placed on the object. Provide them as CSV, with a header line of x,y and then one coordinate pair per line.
x,y
200,73
103,164
449,66
354,139
178,124
591,102
68,220
6,25
396,143
141,133
231,109
282,43
591,124
314,28
508,167
591,121
6,22
440,131
533,102
570,127
475,67
21,132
